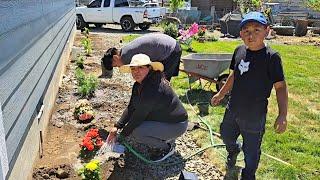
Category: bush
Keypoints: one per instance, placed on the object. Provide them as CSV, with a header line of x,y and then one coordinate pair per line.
x,y
171,30
86,32
80,62
86,42
80,76
89,86
86,84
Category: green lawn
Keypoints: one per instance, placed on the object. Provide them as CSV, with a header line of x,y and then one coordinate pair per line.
x,y
300,144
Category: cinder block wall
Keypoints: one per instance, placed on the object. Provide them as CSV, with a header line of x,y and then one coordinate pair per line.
x,y
35,37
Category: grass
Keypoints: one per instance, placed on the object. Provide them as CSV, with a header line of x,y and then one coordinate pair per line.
x,y
300,144
130,37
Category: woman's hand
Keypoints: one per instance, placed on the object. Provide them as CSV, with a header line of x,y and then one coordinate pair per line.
x,y
112,135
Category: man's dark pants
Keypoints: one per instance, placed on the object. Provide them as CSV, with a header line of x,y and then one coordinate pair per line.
x,y
230,131
172,63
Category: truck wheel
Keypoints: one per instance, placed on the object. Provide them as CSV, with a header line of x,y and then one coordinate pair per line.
x,y
221,81
98,25
127,24
144,26
81,24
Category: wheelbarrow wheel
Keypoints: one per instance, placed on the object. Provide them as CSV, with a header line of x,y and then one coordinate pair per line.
x,y
221,81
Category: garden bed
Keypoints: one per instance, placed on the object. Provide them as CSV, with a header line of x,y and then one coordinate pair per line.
x,y
59,156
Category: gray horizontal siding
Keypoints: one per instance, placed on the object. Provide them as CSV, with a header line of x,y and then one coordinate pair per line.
x,y
26,26
28,67
33,34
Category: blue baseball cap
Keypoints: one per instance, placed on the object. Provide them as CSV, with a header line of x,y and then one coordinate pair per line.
x,y
253,17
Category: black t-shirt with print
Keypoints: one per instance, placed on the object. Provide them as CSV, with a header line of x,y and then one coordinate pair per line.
x,y
255,72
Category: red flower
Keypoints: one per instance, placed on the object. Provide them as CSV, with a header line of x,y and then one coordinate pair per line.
x,y
90,146
93,133
87,144
92,140
85,116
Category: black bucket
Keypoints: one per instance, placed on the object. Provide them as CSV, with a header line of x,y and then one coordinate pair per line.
x,y
301,27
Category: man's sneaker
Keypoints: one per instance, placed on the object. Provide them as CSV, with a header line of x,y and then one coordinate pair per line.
x,y
232,159
158,155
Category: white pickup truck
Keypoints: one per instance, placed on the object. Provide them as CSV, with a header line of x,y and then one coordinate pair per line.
x,y
100,12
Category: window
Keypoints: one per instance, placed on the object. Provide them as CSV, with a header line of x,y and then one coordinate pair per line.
x,y
150,5
95,4
106,3
121,3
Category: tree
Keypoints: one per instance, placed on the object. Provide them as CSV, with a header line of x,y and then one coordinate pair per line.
x,y
313,4
175,4
249,5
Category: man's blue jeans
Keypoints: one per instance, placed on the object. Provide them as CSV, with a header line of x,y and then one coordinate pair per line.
x,y
230,132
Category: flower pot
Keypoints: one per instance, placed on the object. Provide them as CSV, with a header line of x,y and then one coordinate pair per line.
x,y
301,27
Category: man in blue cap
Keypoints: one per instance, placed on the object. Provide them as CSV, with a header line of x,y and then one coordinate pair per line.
x,y
256,69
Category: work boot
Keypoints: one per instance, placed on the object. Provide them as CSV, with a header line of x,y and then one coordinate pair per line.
x,y
158,155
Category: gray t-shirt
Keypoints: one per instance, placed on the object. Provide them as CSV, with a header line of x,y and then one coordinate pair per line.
x,y
156,45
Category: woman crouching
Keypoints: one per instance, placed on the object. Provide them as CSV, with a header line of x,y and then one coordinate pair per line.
x,y
155,116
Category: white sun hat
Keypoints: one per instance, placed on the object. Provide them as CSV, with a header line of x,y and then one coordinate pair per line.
x,y
141,60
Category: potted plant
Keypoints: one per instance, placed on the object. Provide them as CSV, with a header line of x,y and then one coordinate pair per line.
x,y
83,111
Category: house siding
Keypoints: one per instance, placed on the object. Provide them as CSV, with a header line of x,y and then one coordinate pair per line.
x,y
33,34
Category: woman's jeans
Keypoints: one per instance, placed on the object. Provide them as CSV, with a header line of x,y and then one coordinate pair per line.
x,y
158,134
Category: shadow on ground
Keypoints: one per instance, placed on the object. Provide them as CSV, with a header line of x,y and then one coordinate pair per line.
x,y
133,168
201,98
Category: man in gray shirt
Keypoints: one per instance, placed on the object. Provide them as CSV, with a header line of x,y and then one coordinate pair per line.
x,y
159,47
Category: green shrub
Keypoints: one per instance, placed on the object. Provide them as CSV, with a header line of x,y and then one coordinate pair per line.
x,y
88,87
86,42
80,62
80,76
171,30
86,32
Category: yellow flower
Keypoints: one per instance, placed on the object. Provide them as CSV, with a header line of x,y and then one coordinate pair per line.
x,y
92,166
95,161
